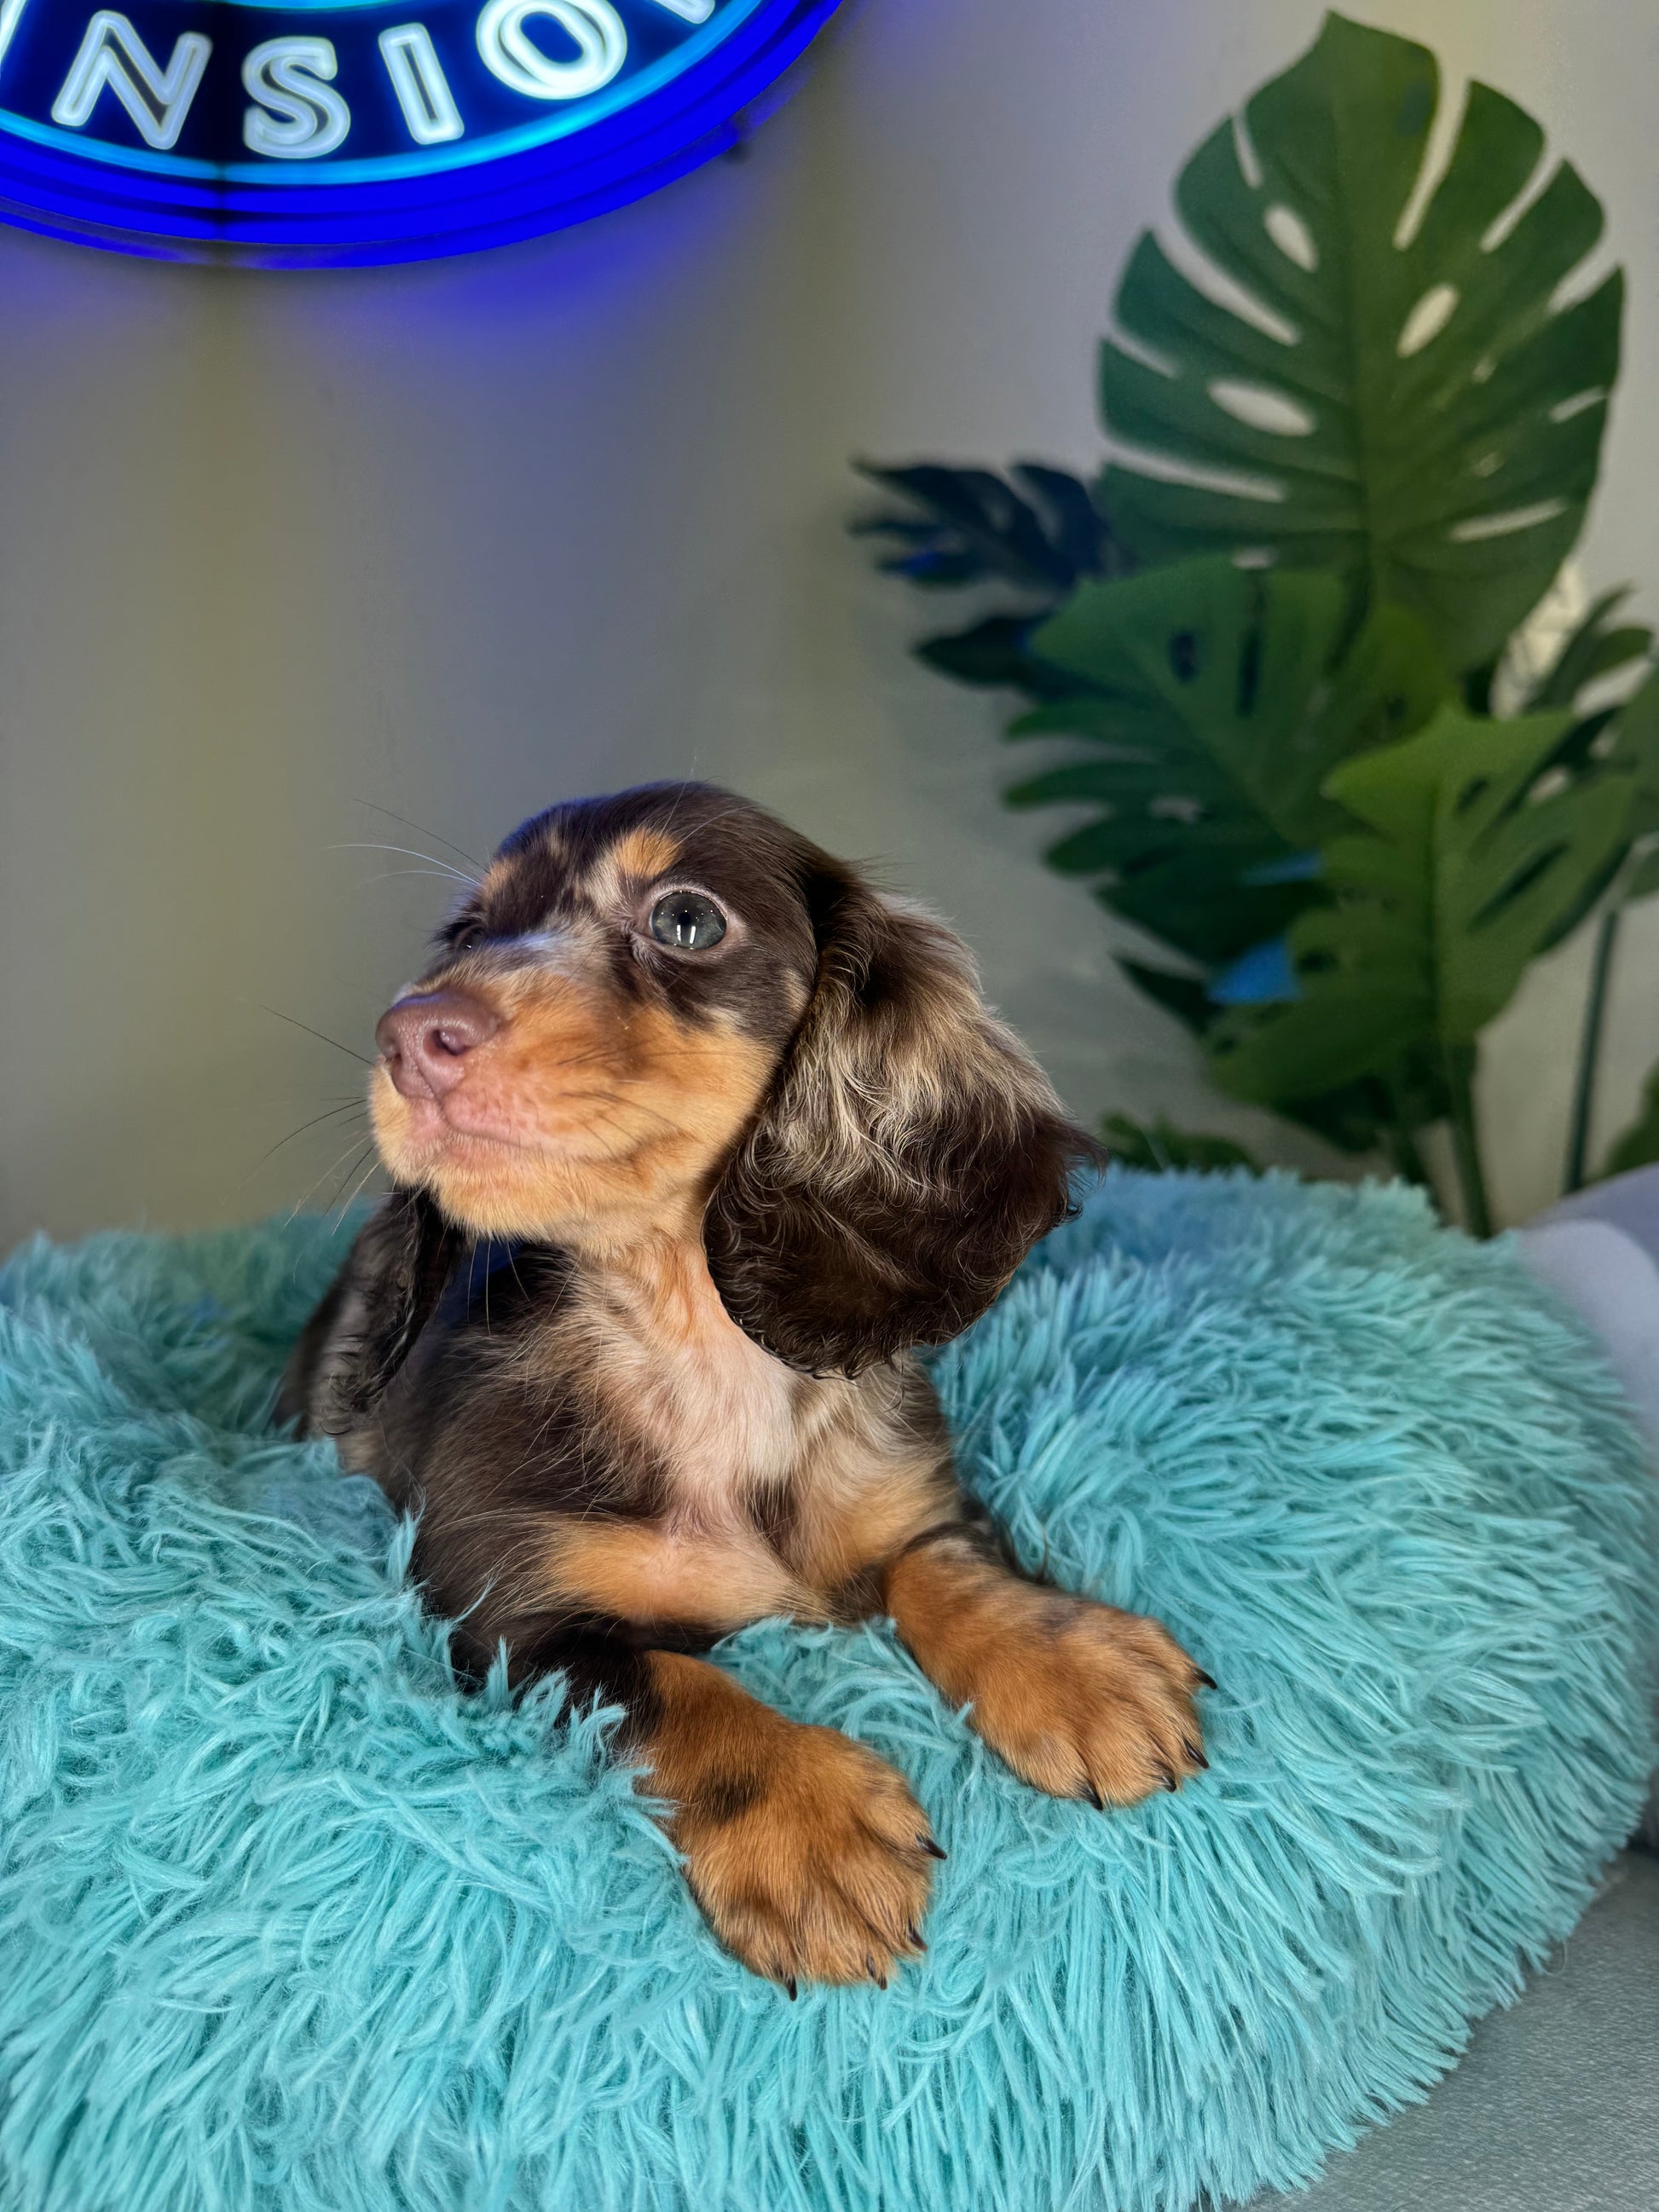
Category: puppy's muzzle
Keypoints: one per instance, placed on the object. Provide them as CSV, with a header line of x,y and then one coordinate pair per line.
x,y
424,1039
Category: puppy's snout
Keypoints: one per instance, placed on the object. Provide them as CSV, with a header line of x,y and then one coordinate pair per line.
x,y
424,1039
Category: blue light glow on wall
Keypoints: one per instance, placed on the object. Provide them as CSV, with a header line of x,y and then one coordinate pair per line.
x,y
367,130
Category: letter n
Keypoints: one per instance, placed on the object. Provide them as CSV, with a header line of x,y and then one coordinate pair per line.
x,y
114,54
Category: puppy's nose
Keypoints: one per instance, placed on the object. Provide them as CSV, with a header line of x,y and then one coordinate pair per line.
x,y
424,1039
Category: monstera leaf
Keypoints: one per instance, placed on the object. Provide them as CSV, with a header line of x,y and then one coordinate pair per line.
x,y
1632,745
994,654
1036,527
1219,701
1468,859
1595,648
1404,402
1624,739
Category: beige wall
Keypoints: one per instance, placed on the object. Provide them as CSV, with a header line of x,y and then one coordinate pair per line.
x,y
460,539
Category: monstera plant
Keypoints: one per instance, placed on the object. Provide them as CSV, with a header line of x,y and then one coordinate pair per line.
x,y
1269,656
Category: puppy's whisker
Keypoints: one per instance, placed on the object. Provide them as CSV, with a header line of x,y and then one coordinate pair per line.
x,y
410,852
351,1197
352,1151
408,823
333,1113
576,1061
362,1058
391,875
609,1121
611,1098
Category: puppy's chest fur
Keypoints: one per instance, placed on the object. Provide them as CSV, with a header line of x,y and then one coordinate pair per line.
x,y
629,1452
724,1421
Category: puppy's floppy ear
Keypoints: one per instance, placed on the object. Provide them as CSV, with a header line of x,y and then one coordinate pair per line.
x,y
910,1153
352,1347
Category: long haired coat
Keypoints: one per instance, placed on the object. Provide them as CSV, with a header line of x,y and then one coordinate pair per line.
x,y
694,1139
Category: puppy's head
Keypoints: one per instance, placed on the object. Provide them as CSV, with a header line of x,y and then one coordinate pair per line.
x,y
663,1012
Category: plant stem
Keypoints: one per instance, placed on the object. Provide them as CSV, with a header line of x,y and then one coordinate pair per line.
x,y
1466,1140
1409,1163
1400,1135
1589,1049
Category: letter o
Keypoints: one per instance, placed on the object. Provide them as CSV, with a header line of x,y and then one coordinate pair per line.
x,y
509,53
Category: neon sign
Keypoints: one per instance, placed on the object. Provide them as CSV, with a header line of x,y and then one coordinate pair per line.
x,y
365,130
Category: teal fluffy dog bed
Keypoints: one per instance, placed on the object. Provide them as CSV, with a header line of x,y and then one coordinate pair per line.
x,y
289,1923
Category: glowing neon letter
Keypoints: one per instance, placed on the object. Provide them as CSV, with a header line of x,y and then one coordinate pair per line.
x,y
114,54
695,11
419,81
9,11
309,118
594,24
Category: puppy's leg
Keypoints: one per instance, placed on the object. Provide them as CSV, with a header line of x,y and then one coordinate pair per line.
x,y
807,1853
1081,1700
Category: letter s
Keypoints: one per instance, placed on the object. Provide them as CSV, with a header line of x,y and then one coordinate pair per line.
x,y
308,118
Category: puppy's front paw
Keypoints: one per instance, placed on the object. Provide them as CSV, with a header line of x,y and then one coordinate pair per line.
x,y
814,1863
1084,1701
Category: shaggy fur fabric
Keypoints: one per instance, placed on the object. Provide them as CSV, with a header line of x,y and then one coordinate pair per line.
x,y
288,1922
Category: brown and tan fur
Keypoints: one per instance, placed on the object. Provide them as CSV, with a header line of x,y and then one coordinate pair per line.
x,y
635,1333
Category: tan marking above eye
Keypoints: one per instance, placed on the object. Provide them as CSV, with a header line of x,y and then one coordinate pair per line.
x,y
494,879
644,853
612,884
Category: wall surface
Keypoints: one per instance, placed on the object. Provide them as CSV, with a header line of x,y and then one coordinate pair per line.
x,y
285,560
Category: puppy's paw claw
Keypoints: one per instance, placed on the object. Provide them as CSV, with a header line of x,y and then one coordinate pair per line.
x,y
820,1873
1084,1701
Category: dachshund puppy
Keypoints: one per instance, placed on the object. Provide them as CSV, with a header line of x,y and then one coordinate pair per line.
x,y
694,1139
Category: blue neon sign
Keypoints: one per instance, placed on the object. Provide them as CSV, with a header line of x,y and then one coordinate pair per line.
x,y
366,130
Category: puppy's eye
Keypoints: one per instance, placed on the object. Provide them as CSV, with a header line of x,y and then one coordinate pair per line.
x,y
688,921
470,938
